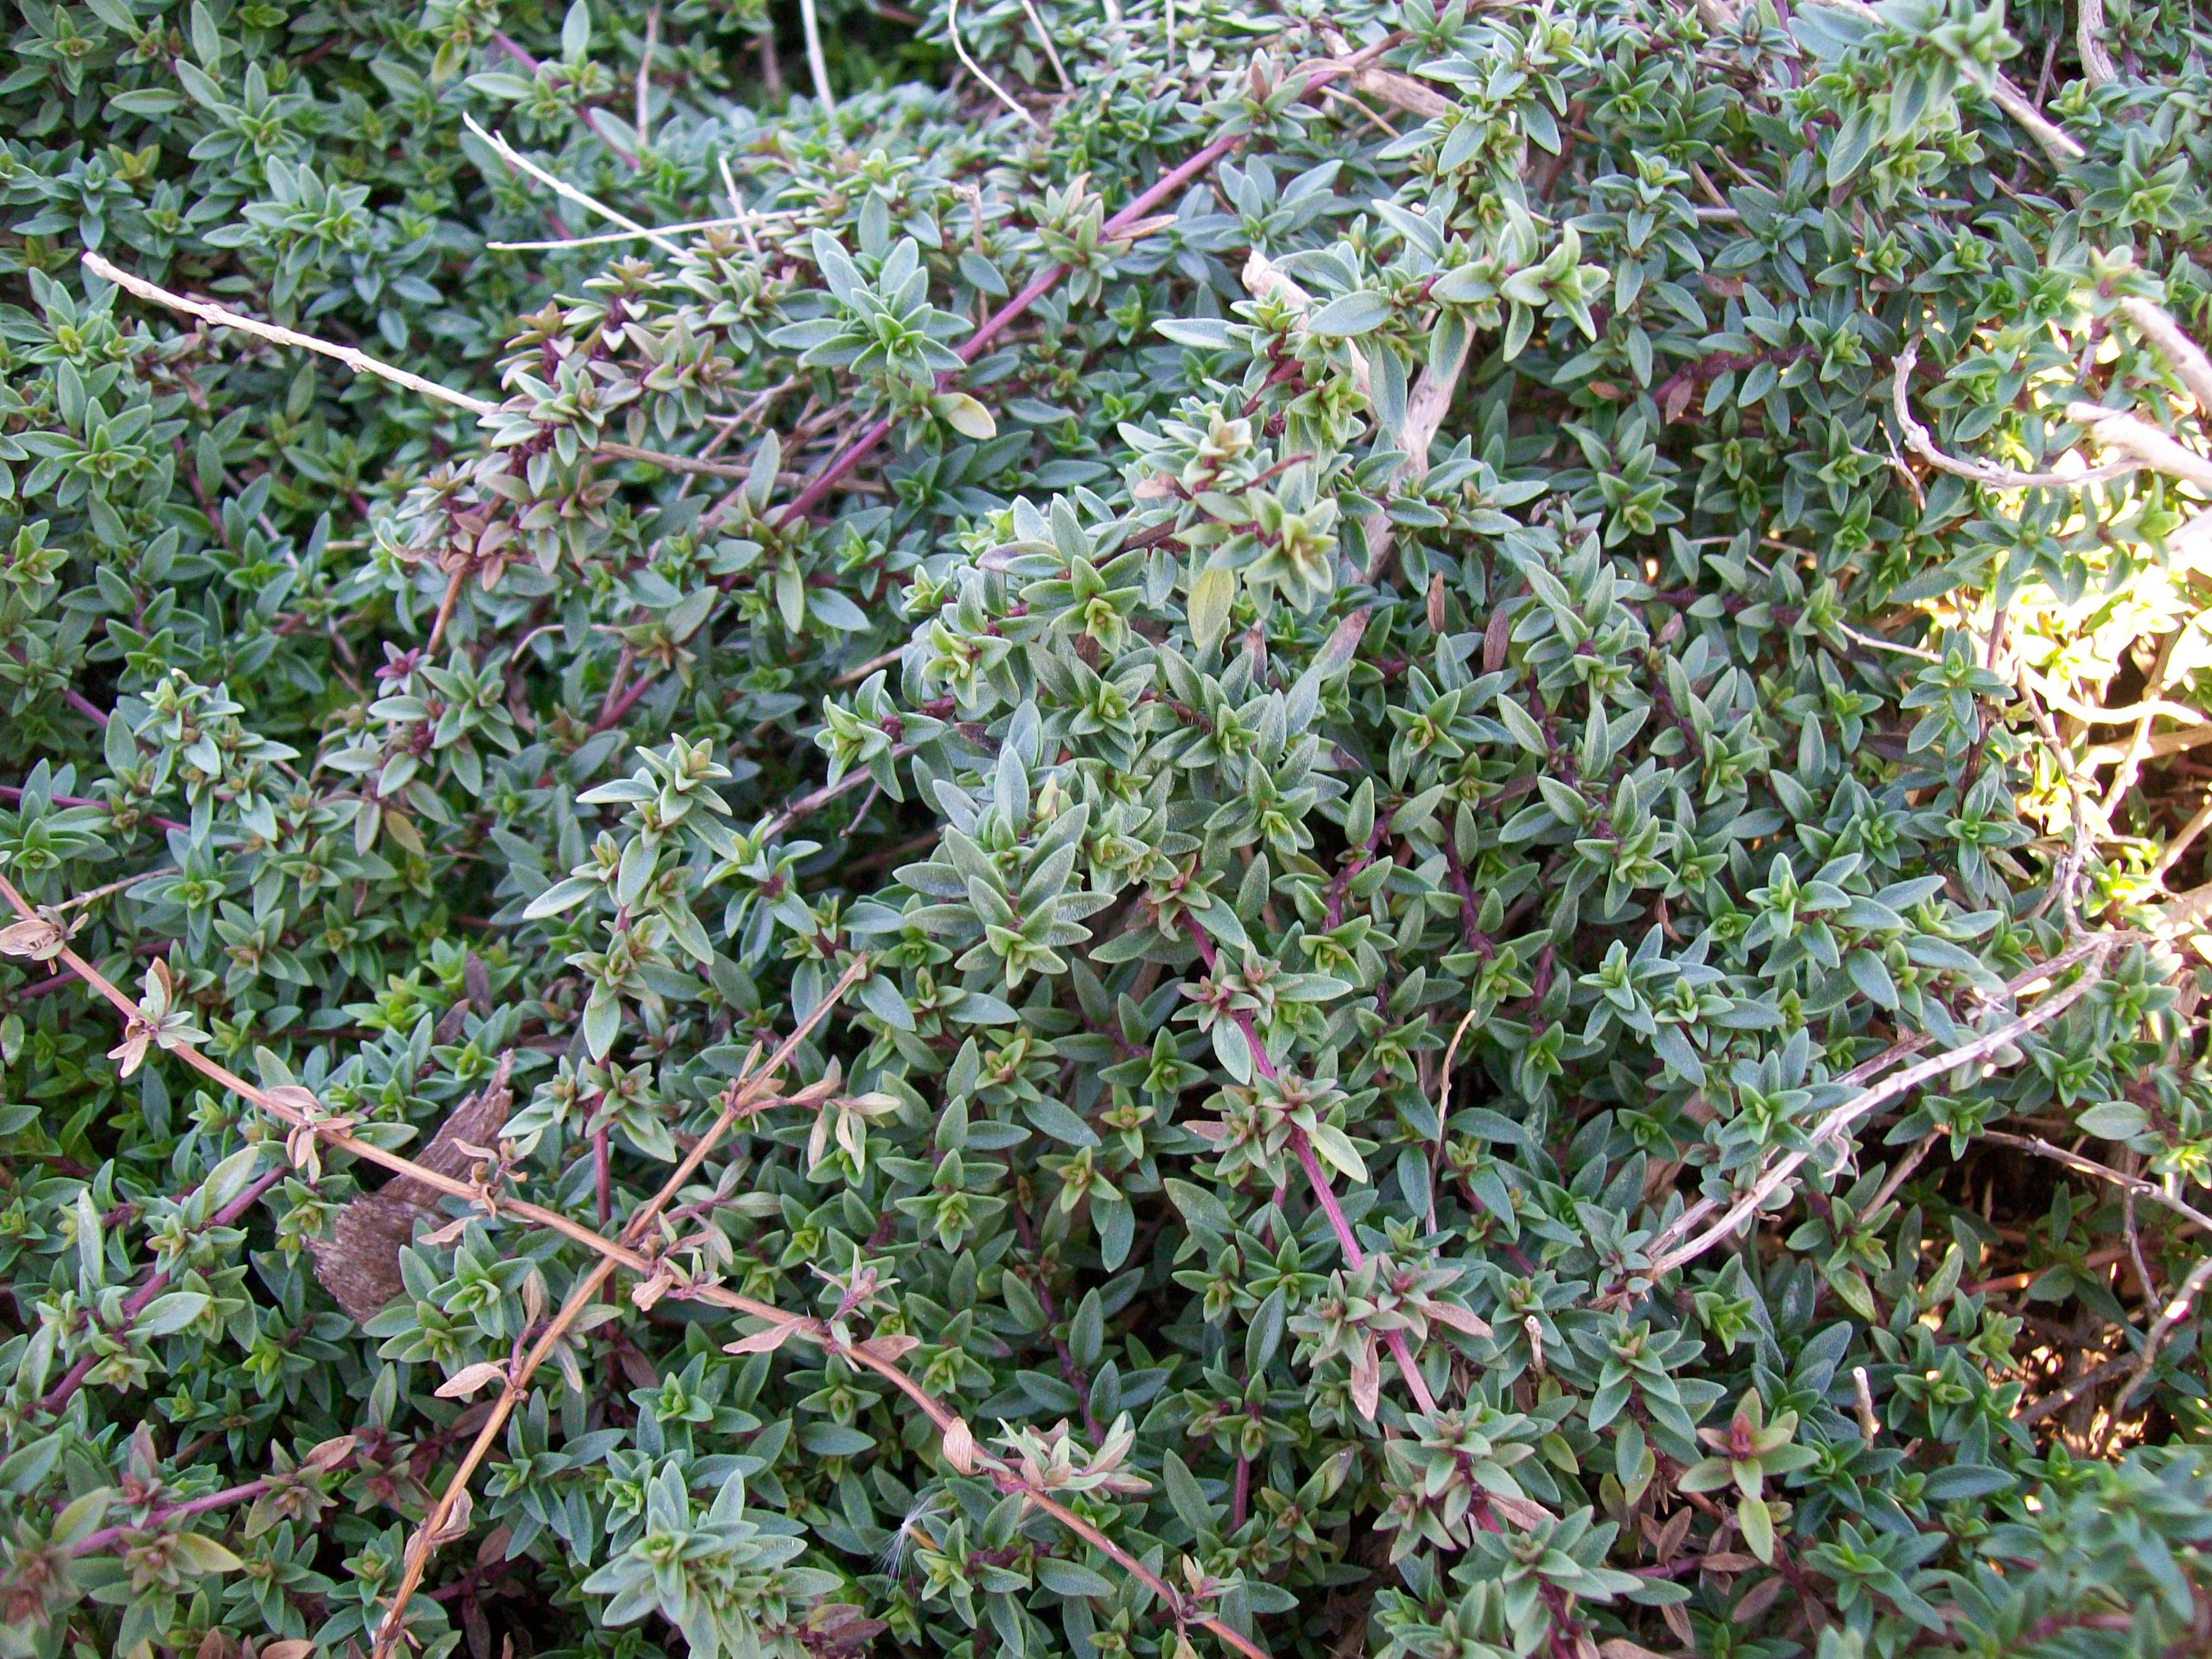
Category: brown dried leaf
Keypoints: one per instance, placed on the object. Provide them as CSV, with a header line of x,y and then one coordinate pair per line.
x,y
457,1519
447,1234
358,1263
1758,1598
636,1367
477,979
35,938
959,1446
767,1341
330,1453
1366,1378
1520,1512
840,1628
1495,638
1402,91
1460,1319
292,1100
470,1378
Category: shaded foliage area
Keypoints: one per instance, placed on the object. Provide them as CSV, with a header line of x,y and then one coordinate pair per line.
x,y
1301,830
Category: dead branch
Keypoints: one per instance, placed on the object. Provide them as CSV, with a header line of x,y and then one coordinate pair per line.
x,y
2090,952
2138,441
2080,1165
2089,42
2190,365
358,1263
1917,440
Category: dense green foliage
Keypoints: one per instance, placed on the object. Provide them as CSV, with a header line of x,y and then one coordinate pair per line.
x,y
1417,720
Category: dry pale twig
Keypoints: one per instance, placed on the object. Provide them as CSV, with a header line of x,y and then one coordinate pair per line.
x,y
2053,140
2185,912
2139,441
1425,408
736,196
817,64
645,75
1400,91
2172,1315
1353,103
1876,643
2090,951
968,62
1869,1426
360,361
2086,1166
728,222
2161,742
1443,1099
2051,1404
2089,42
1917,439
2190,365
2131,761
1051,52
2069,876
561,187
1904,1048
1903,1172
2183,839
2094,714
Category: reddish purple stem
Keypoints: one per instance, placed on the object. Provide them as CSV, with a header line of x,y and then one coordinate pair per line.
x,y
17,795
214,1500
1342,885
1007,315
136,1302
85,707
99,1540
590,116
621,706
1317,1177
75,699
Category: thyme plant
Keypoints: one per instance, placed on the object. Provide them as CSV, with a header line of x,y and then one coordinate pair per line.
x,y
1106,827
